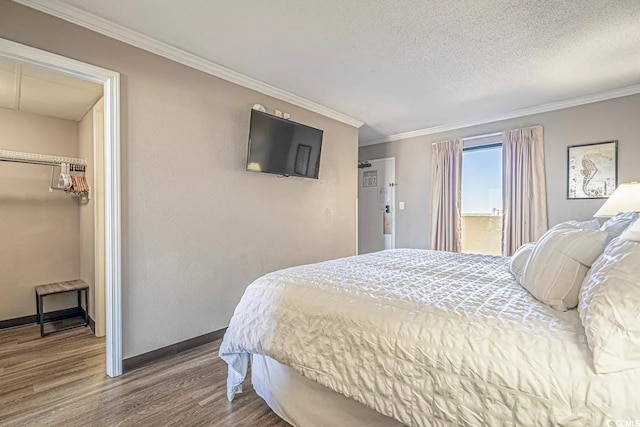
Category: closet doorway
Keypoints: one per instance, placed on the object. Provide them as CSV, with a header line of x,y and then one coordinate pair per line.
x,y
64,118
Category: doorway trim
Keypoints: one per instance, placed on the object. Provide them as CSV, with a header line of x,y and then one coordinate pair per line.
x,y
112,195
393,203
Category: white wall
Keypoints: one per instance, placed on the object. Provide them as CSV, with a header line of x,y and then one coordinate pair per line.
x,y
197,227
602,121
38,229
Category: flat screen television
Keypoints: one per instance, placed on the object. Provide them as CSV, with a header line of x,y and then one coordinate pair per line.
x,y
283,147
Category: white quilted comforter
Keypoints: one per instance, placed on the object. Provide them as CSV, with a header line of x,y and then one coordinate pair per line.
x,y
428,338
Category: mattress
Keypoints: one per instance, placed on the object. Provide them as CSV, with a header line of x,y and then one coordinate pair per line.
x,y
428,338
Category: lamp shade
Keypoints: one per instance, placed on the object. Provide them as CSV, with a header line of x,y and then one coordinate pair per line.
x,y
626,198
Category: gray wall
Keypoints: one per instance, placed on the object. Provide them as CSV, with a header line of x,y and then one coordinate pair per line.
x,y
39,240
198,228
602,121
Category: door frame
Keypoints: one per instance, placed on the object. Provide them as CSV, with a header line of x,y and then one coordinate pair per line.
x,y
112,194
393,203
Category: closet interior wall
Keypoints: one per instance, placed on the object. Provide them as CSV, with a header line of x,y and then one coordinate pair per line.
x,y
45,237
39,229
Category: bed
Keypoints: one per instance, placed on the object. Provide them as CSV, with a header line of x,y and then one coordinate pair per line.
x,y
418,338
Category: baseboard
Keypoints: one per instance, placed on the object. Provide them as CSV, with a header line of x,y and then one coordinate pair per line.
x,y
155,355
92,325
51,316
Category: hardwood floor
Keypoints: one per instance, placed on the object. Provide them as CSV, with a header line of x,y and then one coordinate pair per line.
x,y
59,380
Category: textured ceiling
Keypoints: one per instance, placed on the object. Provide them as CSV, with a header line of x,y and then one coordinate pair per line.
x,y
43,92
406,64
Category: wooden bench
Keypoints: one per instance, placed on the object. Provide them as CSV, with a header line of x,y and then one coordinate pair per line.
x,y
58,288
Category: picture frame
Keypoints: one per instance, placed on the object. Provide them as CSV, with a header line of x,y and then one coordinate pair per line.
x,y
370,178
303,154
592,170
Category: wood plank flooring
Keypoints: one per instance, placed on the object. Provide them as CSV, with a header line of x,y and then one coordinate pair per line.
x,y
59,380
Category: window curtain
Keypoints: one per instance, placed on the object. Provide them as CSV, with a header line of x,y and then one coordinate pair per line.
x,y
524,188
446,181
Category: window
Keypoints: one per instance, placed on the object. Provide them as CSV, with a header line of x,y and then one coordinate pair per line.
x,y
482,199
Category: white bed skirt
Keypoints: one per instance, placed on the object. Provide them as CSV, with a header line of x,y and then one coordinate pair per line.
x,y
305,403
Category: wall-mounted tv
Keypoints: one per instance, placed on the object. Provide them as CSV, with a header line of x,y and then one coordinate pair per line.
x,y
283,147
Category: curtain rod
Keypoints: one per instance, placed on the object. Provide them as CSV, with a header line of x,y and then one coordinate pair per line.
x,y
486,135
471,138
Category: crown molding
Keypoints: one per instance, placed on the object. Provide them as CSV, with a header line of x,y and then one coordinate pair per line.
x,y
544,108
100,25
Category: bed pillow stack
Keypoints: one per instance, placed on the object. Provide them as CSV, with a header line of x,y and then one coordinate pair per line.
x,y
610,304
559,263
553,268
520,259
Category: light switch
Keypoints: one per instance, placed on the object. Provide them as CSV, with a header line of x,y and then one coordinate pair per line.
x,y
401,206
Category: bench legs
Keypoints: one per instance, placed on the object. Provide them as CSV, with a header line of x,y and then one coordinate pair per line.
x,y
40,313
86,307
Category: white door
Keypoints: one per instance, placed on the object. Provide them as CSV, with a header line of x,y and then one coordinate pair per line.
x,y
376,206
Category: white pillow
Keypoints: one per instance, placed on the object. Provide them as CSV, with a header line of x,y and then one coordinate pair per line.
x,y
521,257
559,263
592,224
610,306
632,233
519,260
619,223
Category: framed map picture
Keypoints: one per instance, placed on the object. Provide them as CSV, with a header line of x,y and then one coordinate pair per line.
x,y
593,170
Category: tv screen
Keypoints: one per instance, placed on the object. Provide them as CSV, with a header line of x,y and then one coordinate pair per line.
x,y
283,147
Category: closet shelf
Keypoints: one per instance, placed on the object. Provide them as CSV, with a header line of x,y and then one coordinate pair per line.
x,y
39,159
66,165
